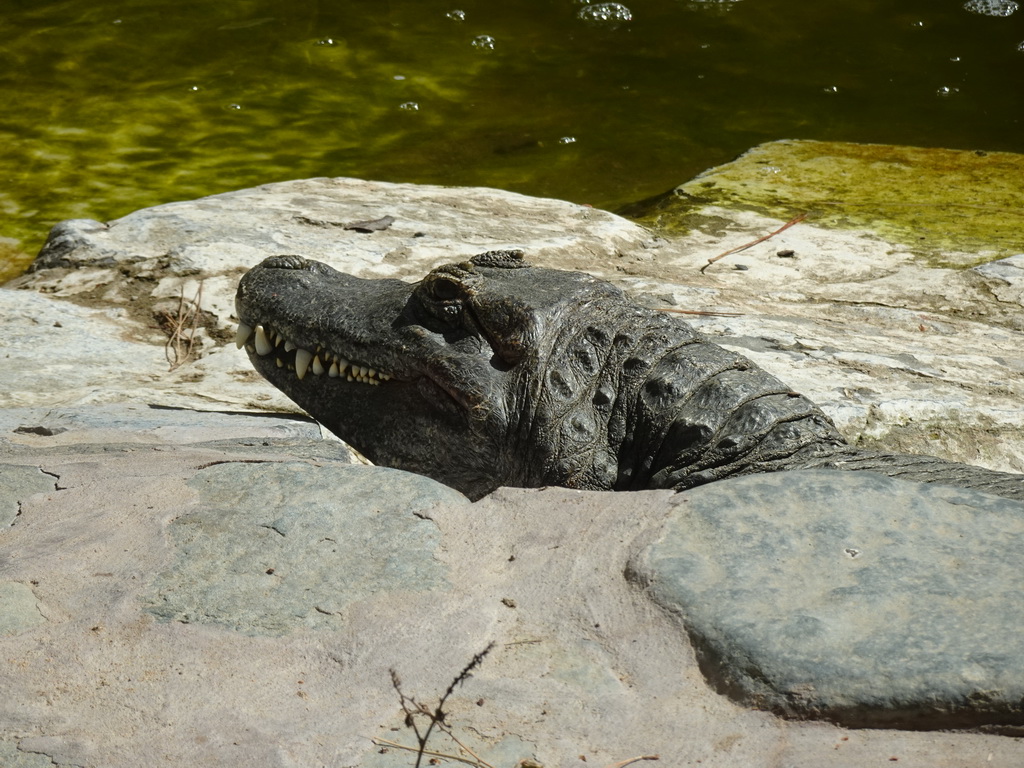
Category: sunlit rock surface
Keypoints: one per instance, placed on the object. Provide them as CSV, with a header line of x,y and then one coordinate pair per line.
x,y
921,353
192,573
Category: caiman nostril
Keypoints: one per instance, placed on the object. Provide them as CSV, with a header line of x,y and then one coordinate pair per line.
x,y
287,262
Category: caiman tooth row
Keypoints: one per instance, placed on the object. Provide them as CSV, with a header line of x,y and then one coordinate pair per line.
x,y
265,340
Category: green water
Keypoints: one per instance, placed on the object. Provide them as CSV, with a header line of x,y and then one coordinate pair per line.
x,y
112,106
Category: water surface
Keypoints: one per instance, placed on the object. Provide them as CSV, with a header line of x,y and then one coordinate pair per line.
x,y
113,105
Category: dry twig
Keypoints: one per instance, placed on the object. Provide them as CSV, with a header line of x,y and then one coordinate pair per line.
x,y
783,228
436,719
632,760
182,327
430,753
700,312
436,715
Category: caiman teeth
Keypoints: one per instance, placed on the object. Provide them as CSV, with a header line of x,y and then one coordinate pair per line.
x,y
242,335
302,360
263,345
264,340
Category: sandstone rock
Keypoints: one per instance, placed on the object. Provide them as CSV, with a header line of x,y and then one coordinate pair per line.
x,y
904,349
149,486
584,663
1005,278
19,609
20,482
273,548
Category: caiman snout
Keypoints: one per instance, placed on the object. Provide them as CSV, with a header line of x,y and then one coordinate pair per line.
x,y
292,262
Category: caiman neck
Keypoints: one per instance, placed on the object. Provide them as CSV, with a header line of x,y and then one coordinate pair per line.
x,y
695,412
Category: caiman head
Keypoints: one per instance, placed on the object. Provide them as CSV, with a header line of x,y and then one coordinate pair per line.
x,y
471,376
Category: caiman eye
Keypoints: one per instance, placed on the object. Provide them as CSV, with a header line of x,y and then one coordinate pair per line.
x,y
445,289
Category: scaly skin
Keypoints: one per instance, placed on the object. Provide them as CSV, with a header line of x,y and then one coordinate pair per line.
x,y
492,372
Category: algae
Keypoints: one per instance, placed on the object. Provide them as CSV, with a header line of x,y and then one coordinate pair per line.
x,y
953,208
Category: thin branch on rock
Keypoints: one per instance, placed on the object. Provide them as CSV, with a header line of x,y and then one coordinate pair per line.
x,y
430,753
783,228
435,715
700,312
632,760
181,328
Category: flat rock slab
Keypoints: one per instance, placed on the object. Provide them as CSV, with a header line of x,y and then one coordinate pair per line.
x,y
20,482
150,631
223,588
851,596
63,427
19,608
277,547
905,349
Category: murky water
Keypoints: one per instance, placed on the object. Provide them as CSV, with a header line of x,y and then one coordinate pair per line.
x,y
111,106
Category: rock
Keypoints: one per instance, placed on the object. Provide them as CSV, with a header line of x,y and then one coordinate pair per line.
x,y
904,348
585,663
20,482
274,548
87,357
892,262
19,609
1005,278
75,427
904,195
150,486
850,596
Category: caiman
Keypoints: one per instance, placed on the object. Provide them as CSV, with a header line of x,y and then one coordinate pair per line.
x,y
492,372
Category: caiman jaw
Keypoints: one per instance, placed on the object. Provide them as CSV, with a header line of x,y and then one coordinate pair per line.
x,y
264,340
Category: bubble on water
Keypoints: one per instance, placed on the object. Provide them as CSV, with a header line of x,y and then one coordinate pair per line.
x,y
233,106
326,41
483,43
954,58
456,15
831,89
945,90
605,12
1021,46
711,6
991,7
398,77
567,140
409,106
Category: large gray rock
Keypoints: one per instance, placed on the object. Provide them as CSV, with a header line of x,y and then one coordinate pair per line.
x,y
850,596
